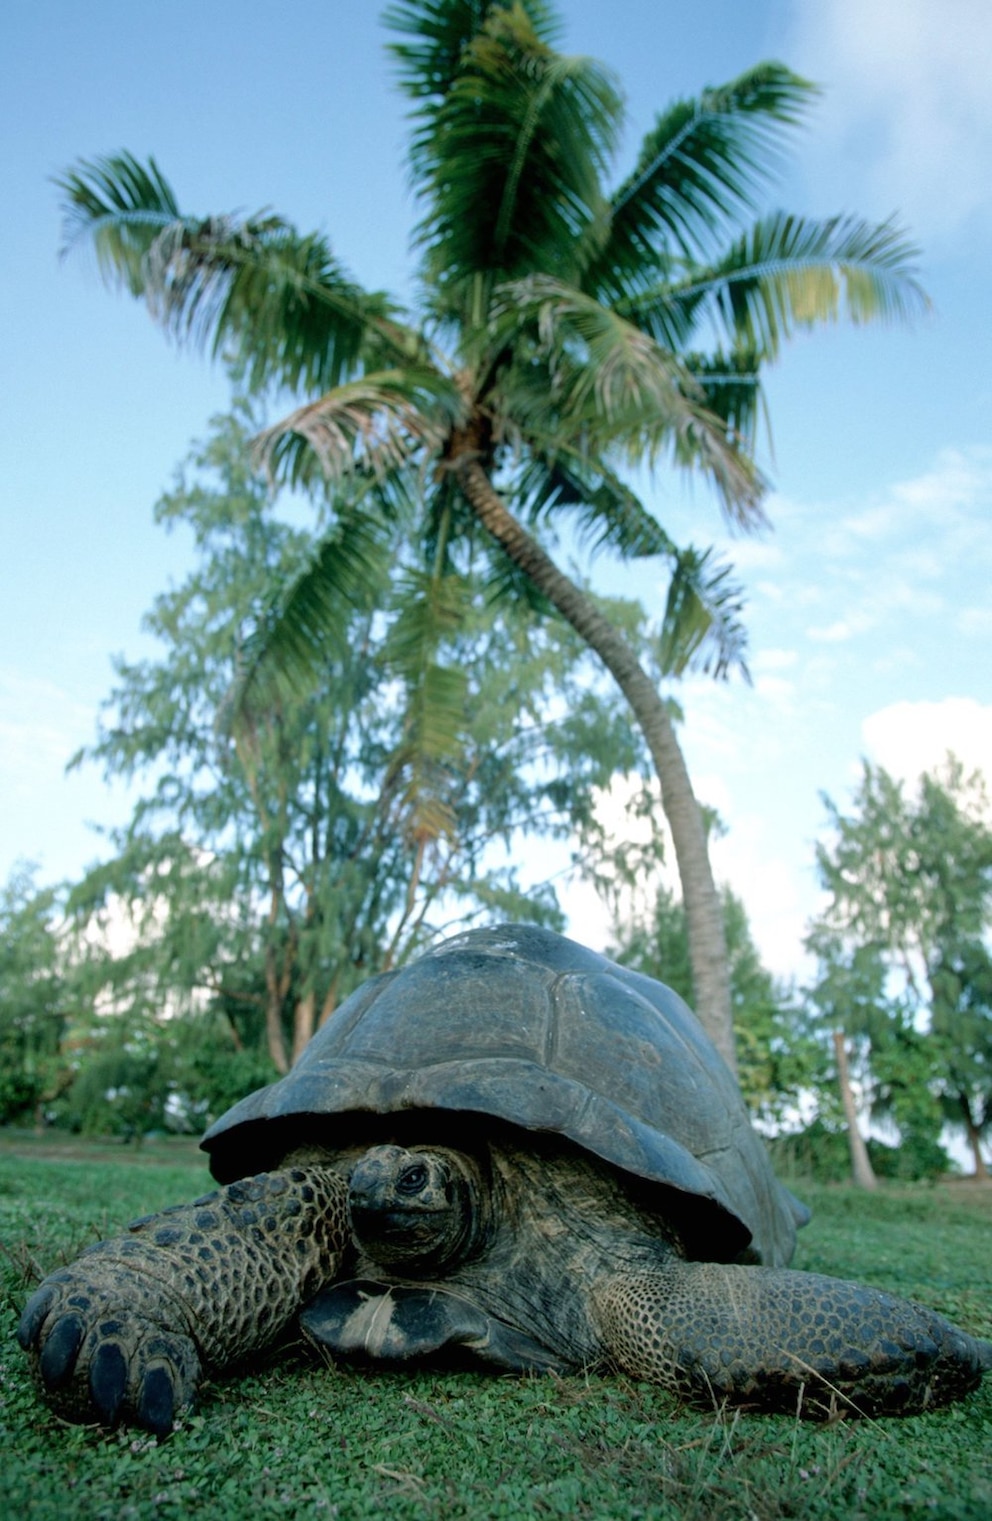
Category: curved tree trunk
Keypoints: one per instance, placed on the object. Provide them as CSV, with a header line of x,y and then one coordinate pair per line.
x,y
704,914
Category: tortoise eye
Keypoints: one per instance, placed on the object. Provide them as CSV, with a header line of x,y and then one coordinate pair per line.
x,y
412,1179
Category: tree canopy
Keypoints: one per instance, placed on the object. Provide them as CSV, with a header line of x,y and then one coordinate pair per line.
x,y
904,944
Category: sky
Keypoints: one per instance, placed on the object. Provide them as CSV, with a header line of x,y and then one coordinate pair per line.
x,y
868,597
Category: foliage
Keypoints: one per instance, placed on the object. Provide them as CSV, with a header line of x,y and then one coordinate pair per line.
x,y
124,1086
820,1152
903,945
40,998
297,1438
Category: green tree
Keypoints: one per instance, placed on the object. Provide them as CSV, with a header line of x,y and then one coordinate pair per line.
x,y
910,885
849,1002
564,329
40,998
124,1086
268,869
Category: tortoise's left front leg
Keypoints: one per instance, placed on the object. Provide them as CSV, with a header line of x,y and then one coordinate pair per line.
x,y
784,1340
125,1331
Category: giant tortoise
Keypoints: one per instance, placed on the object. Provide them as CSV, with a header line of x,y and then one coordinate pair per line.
x,y
511,1152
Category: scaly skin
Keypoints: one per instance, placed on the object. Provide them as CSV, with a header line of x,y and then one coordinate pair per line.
x,y
785,1340
566,1272
128,1329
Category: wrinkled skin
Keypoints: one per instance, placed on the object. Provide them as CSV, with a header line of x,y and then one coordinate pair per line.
x,y
516,1259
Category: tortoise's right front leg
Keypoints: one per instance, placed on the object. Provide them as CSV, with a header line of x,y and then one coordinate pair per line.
x,y
126,1330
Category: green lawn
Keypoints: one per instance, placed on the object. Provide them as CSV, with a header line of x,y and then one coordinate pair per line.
x,y
296,1439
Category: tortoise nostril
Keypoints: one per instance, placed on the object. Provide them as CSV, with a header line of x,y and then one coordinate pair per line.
x,y
412,1180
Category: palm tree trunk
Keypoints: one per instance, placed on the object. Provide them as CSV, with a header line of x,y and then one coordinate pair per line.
x,y
861,1168
703,910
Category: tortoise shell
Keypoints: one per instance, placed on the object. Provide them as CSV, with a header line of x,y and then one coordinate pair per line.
x,y
521,1026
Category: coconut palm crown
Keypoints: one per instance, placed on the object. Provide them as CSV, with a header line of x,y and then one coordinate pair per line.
x,y
566,329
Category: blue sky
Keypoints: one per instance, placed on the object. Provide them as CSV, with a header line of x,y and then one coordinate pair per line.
x,y
869,609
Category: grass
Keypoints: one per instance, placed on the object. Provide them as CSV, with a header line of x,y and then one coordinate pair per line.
x,y
296,1439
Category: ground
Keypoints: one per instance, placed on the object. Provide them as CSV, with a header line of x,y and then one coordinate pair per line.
x,y
300,1439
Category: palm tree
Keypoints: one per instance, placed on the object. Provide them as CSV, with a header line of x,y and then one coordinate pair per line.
x,y
564,330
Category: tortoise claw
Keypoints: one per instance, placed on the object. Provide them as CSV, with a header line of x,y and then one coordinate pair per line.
x,y
157,1403
58,1356
108,1381
35,1311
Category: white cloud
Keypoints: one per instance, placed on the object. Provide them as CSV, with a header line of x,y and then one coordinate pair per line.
x,y
896,661
922,547
40,725
755,554
974,622
907,117
843,629
774,660
776,691
951,499
908,738
771,890
955,479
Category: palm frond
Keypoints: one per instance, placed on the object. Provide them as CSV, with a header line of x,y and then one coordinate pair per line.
x,y
120,207
432,610
434,729
611,386
702,166
610,363
378,423
305,624
441,31
791,272
702,628
272,299
730,384
509,161
607,510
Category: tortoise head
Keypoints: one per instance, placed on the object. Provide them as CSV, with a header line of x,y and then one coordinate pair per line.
x,y
419,1211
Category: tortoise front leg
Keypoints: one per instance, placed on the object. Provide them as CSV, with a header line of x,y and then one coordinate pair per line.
x,y
126,1330
784,1340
